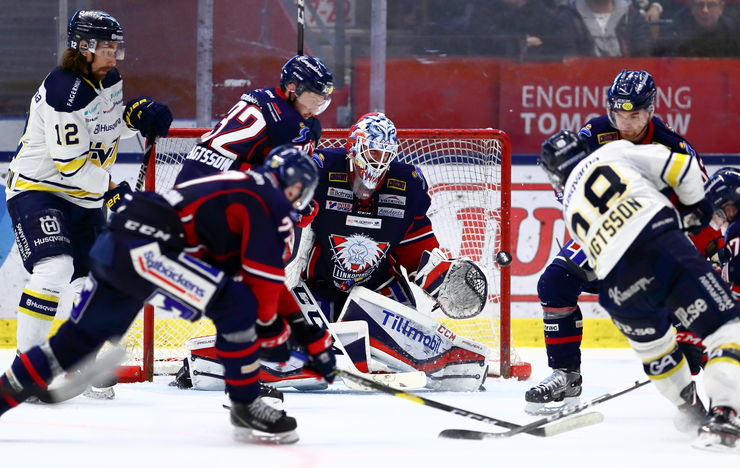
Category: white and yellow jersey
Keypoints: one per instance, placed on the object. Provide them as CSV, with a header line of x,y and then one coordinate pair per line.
x,y
71,138
614,193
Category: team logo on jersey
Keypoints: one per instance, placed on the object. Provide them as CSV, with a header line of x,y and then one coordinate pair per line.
x,y
391,199
586,131
102,156
396,184
340,193
337,177
607,137
50,225
391,212
355,256
304,135
338,206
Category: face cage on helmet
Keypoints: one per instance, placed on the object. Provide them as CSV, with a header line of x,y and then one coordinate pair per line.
x,y
368,170
93,44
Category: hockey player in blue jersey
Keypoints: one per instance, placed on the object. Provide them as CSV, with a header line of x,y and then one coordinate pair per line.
x,y
649,273
211,247
59,177
372,221
265,118
630,105
723,190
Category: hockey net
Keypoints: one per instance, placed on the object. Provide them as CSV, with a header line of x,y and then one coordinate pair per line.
x,y
468,173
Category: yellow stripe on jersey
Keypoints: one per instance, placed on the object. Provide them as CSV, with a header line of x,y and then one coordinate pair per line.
x,y
676,166
43,297
26,185
34,314
71,166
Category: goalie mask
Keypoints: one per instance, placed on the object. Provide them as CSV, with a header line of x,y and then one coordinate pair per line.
x,y
95,31
560,154
372,145
290,166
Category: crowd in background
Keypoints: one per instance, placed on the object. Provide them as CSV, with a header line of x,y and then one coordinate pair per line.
x,y
555,29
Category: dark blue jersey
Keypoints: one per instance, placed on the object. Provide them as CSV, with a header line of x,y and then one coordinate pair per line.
x,y
731,267
261,120
240,223
359,242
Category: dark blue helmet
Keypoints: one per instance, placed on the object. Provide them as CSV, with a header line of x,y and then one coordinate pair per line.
x,y
309,74
631,91
560,154
94,27
290,166
723,187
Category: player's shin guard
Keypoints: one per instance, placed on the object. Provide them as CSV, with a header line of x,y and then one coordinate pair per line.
x,y
563,336
722,370
29,372
237,352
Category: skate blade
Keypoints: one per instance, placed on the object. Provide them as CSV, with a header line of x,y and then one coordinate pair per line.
x,y
546,409
253,436
106,393
715,443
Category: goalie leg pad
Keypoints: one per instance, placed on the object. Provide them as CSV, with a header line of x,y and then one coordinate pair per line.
x,y
408,340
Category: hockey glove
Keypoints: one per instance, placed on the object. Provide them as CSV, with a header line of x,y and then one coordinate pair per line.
x,y
307,214
692,347
115,198
148,116
274,340
430,273
697,216
317,342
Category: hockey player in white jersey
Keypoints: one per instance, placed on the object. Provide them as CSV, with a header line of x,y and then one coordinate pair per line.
x,y
59,177
648,269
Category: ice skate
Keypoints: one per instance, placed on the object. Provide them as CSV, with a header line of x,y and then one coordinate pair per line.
x,y
258,422
720,431
692,413
560,386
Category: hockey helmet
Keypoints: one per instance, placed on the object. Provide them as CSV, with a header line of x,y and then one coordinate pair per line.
x,y
723,188
372,145
290,166
309,74
94,28
631,91
560,154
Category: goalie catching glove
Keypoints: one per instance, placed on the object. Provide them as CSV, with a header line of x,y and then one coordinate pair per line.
x,y
458,285
317,343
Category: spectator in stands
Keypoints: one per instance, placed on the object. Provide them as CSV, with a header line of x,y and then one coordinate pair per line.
x,y
523,29
602,28
702,29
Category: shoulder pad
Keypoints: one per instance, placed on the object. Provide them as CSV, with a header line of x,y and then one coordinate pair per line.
x,y
66,91
407,173
665,135
598,131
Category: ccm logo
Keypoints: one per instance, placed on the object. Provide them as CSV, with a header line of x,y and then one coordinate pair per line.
x,y
147,230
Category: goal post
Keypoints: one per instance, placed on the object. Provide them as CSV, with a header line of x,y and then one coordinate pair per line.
x,y
468,172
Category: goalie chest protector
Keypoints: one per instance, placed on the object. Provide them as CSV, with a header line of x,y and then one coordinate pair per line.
x,y
354,239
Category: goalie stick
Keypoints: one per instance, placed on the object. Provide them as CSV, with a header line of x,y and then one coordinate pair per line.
x,y
312,312
561,427
557,428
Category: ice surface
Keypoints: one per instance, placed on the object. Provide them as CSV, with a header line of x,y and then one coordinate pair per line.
x,y
151,424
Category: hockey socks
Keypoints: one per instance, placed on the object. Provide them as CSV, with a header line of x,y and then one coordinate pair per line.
x,y
241,368
563,336
29,372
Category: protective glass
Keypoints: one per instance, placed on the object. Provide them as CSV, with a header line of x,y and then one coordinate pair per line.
x,y
315,103
304,198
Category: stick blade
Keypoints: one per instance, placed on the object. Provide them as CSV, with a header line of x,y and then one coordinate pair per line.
x,y
465,434
575,422
553,429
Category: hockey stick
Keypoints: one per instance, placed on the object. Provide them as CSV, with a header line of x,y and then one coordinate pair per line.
x,y
565,412
148,157
312,312
301,23
535,430
78,382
